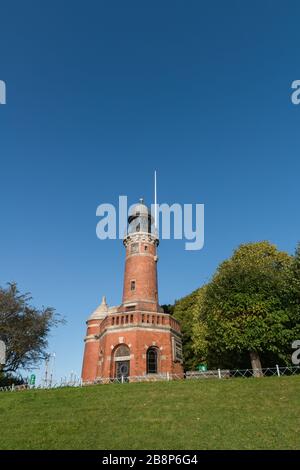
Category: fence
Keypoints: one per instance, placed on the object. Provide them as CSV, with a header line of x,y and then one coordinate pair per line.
x,y
193,375
228,374
77,382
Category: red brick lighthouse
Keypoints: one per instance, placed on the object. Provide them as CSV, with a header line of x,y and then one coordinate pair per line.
x,y
135,339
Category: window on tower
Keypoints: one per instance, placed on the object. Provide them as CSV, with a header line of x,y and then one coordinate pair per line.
x,y
132,285
134,248
152,361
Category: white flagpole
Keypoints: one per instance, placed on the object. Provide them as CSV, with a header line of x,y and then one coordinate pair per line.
x,y
155,203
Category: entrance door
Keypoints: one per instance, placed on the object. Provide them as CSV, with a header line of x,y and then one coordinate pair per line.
x,y
122,370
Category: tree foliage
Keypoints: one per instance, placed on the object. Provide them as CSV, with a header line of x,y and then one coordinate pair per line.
x,y
185,311
251,307
24,329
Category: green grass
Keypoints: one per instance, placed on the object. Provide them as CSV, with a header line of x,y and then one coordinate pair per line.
x,y
207,414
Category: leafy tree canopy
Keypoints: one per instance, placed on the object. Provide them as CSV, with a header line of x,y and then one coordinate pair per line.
x,y
186,312
250,308
24,329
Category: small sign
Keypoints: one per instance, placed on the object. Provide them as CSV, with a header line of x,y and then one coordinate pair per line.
x,y
202,367
32,379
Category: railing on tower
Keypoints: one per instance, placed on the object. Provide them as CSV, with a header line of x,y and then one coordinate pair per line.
x,y
145,319
153,234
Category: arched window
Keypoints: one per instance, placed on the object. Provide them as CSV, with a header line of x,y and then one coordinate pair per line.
x,y
121,358
122,351
152,361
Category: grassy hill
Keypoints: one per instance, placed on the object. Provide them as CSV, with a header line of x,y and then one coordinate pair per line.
x,y
207,414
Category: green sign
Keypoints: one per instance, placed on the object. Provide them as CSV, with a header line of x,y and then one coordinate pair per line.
x,y
32,379
202,367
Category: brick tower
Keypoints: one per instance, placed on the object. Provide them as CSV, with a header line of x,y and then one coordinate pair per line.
x,y
137,338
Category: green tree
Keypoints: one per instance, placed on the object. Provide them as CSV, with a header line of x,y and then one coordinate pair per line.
x,y
168,308
24,329
199,331
185,311
293,293
247,307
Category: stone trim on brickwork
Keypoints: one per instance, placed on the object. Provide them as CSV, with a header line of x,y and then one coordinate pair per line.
x,y
142,255
127,328
140,237
91,338
124,358
133,303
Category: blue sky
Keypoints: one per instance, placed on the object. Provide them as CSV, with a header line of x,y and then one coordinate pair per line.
x,y
99,94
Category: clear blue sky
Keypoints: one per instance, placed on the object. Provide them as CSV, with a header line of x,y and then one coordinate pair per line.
x,y
99,94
